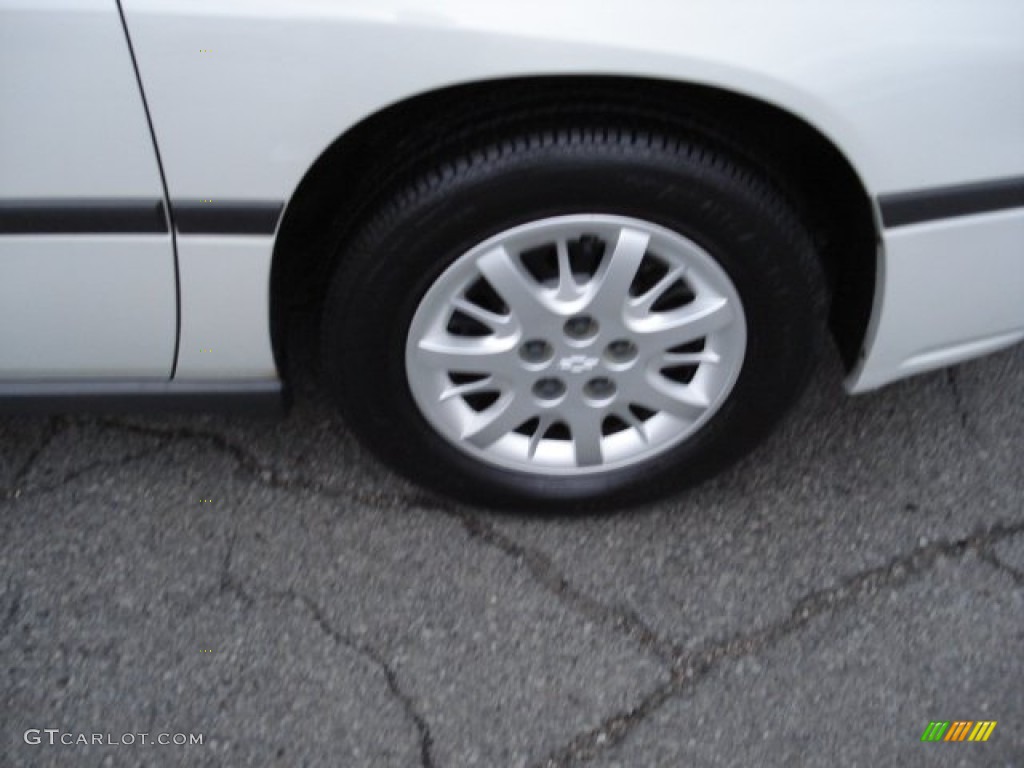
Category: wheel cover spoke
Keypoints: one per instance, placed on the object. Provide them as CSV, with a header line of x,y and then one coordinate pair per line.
x,y
586,440
509,412
691,323
683,403
451,353
469,388
568,288
670,359
628,417
483,316
642,305
615,278
585,361
521,293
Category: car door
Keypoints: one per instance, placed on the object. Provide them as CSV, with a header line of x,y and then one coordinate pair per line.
x,y
87,271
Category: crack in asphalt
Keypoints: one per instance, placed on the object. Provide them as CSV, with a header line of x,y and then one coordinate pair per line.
x,y
959,407
990,556
55,425
267,475
546,573
11,617
118,463
691,668
228,584
423,729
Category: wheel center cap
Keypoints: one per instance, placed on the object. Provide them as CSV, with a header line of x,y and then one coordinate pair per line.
x,y
578,364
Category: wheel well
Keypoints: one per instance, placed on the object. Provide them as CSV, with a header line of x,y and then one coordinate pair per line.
x,y
364,164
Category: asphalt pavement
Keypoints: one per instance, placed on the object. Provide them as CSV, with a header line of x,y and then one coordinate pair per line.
x,y
268,587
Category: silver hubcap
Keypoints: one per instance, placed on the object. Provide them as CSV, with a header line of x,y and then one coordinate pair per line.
x,y
576,344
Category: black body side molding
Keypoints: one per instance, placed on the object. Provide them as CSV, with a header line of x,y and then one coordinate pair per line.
x,y
136,217
947,202
82,217
226,218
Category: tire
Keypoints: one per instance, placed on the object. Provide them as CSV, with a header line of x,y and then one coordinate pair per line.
x,y
578,226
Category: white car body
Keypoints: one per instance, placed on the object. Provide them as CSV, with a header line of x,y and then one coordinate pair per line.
x,y
234,101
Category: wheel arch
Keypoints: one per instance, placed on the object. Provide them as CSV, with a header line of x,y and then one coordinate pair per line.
x,y
350,175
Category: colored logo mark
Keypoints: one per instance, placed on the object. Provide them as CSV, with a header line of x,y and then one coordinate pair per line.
x,y
958,730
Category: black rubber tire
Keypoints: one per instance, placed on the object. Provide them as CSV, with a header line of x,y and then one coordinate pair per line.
x,y
687,185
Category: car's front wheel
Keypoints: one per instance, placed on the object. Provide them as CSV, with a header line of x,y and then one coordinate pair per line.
x,y
573,316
